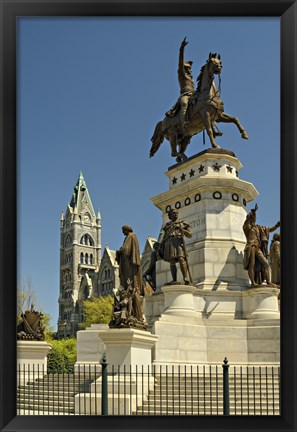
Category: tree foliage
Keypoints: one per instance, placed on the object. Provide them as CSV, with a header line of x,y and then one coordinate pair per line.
x,y
97,310
62,356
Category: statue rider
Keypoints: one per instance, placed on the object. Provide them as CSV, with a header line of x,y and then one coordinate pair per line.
x,y
187,89
186,83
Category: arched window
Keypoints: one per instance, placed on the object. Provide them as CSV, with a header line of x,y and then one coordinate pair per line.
x,y
87,240
81,258
87,258
91,259
85,293
68,241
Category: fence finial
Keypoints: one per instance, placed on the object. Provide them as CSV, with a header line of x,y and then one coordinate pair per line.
x,y
104,360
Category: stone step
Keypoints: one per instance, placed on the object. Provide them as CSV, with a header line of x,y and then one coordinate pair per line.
x,y
37,386
203,412
215,389
44,409
46,404
205,397
47,398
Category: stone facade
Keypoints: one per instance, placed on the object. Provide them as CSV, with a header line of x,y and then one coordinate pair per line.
x,y
108,274
80,257
83,273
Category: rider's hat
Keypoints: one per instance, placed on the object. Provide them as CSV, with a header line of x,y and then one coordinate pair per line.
x,y
188,63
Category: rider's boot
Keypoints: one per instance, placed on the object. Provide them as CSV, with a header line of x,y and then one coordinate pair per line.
x,y
183,121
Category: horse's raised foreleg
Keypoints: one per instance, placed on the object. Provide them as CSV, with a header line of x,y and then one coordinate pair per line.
x,y
226,118
206,119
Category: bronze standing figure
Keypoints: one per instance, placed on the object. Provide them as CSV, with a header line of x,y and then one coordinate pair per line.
x,y
128,300
255,259
275,259
172,247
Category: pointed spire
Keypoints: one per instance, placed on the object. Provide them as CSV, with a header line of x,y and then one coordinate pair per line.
x,y
98,217
62,220
80,199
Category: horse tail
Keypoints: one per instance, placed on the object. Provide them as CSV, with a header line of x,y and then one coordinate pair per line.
x,y
157,139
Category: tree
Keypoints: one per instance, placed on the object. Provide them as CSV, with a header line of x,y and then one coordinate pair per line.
x,y
62,356
97,310
27,296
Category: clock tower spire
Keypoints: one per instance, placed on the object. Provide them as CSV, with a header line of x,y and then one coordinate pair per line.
x,y
80,256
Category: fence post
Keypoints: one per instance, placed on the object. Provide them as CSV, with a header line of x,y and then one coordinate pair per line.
x,y
226,401
104,396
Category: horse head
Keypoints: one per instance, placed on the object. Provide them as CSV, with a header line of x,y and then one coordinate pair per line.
x,y
214,64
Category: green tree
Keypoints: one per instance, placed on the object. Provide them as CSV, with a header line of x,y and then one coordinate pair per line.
x,y
97,310
62,356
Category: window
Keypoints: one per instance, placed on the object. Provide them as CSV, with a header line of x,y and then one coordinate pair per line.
x,y
87,258
91,259
81,258
68,240
87,240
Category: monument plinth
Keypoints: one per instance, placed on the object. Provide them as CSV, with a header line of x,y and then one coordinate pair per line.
x,y
179,300
220,314
210,196
31,360
129,354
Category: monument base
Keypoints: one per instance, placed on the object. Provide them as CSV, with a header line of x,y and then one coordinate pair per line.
x,y
90,348
129,357
128,347
31,360
199,326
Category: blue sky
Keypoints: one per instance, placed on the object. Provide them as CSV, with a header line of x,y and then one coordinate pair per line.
x,y
90,92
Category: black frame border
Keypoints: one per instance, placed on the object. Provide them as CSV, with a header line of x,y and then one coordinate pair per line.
x,y
10,10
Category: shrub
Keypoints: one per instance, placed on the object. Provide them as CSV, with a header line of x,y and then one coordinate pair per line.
x,y
62,356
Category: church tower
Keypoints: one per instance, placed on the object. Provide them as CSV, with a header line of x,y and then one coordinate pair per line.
x,y
80,257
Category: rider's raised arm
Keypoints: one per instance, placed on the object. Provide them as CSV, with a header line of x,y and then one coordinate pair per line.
x,y
181,69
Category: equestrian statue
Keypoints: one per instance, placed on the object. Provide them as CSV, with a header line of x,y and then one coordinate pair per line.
x,y
195,110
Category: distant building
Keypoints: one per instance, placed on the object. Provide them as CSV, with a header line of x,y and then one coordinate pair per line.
x,y
108,274
83,273
80,257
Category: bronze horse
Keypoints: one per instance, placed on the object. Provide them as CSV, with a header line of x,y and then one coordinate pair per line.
x,y
204,109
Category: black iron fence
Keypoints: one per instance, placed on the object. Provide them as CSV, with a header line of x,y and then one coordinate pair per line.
x,y
158,390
